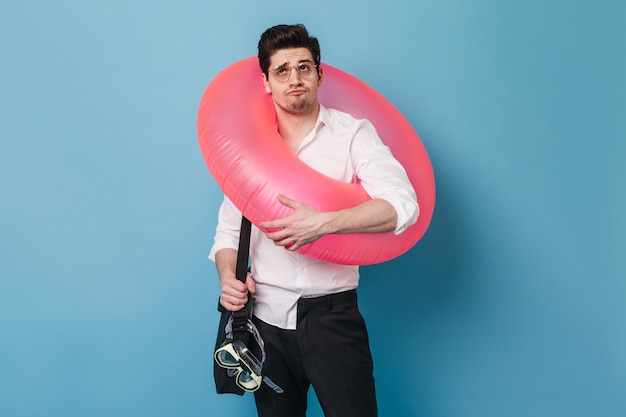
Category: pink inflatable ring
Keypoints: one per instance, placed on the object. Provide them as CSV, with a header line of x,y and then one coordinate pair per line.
x,y
252,165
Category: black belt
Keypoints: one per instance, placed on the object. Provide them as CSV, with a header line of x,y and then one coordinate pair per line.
x,y
327,300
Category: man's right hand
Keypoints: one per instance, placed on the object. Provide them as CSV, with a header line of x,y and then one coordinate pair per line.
x,y
234,293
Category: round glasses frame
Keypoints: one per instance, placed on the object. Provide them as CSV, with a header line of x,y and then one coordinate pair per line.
x,y
305,70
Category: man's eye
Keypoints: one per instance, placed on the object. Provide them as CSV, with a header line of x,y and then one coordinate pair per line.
x,y
280,71
304,68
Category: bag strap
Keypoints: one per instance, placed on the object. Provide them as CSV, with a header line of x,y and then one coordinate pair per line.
x,y
241,270
240,318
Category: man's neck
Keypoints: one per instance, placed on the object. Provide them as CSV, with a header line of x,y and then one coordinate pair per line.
x,y
293,128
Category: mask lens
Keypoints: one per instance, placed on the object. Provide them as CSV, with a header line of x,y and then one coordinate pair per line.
x,y
247,381
227,357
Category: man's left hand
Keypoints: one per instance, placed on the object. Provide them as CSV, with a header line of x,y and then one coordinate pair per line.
x,y
304,225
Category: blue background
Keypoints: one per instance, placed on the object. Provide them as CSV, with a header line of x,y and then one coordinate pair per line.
x,y
513,304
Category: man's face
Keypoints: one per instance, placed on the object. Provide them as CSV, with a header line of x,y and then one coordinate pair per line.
x,y
298,94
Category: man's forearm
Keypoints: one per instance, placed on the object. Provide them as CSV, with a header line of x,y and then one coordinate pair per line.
x,y
373,216
306,224
226,262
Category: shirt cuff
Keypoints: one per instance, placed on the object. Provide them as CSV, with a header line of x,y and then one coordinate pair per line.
x,y
227,230
219,245
407,210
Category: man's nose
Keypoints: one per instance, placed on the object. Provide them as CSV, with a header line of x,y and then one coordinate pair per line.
x,y
294,75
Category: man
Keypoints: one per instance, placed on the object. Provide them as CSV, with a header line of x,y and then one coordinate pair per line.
x,y
306,309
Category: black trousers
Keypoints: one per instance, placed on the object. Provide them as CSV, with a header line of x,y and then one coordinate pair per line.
x,y
330,351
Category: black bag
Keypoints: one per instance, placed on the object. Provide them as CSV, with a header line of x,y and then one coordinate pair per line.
x,y
225,384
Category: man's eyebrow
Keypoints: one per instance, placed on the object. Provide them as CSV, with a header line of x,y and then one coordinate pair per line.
x,y
287,63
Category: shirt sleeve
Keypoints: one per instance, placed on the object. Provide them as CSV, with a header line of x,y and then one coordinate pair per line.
x,y
228,227
382,176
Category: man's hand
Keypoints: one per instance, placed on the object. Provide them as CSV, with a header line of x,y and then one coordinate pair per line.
x,y
304,225
234,293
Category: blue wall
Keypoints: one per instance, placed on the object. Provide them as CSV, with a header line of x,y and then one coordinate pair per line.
x,y
512,304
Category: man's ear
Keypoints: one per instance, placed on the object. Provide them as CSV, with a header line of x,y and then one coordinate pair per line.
x,y
320,76
266,83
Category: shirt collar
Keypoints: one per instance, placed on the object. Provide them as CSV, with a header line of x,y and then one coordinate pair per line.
x,y
323,119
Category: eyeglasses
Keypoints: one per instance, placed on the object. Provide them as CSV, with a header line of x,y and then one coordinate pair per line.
x,y
305,70
241,363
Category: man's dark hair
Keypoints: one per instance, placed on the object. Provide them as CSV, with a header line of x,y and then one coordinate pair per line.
x,y
286,37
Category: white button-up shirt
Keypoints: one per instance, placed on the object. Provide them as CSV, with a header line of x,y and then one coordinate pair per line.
x,y
343,148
